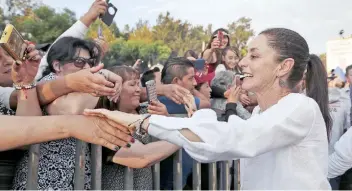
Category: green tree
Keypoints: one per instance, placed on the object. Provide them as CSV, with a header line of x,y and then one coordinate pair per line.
x,y
240,32
44,24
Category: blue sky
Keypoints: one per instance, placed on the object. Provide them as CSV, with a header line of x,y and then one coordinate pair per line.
x,y
317,20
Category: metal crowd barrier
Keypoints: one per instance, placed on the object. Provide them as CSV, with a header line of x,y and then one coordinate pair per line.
x,y
223,183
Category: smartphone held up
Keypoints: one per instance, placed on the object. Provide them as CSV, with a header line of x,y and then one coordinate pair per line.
x,y
109,15
13,43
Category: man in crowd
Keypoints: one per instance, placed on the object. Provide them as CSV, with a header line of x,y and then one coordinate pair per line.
x,y
180,71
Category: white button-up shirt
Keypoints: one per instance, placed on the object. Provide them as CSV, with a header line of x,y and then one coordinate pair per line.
x,y
285,147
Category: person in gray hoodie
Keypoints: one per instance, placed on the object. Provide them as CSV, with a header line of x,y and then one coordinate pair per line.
x,y
339,107
221,82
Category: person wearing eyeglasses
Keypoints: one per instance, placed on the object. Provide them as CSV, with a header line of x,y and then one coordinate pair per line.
x,y
68,55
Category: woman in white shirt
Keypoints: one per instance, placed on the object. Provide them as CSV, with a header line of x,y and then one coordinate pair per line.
x,y
284,145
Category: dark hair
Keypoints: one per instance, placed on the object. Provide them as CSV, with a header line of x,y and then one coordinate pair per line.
x,y
175,67
218,55
156,69
290,44
127,73
237,68
65,50
348,69
148,75
190,53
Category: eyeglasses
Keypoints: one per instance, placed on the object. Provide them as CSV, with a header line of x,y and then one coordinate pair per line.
x,y
80,62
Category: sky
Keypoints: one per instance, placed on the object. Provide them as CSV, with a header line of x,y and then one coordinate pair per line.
x,y
318,21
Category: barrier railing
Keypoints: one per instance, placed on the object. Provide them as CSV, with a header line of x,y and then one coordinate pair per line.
x,y
223,183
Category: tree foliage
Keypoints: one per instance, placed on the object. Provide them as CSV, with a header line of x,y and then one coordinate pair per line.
x,y
41,23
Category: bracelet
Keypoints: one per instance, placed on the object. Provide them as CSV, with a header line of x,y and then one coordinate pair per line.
x,y
139,130
25,87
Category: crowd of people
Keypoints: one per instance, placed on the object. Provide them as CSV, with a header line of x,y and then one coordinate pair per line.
x,y
276,109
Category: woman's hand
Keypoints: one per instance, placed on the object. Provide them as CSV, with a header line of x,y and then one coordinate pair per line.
x,y
94,83
215,44
190,104
24,73
157,108
245,99
101,131
174,92
125,119
99,7
233,94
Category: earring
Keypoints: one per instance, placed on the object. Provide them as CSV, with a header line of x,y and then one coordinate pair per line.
x,y
282,83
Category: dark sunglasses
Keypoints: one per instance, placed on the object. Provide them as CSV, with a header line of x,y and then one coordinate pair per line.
x,y
80,62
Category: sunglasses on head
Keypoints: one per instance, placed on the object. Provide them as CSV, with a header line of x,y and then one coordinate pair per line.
x,y
80,62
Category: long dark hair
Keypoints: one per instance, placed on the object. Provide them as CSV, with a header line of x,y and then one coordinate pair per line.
x,y
218,53
290,44
65,49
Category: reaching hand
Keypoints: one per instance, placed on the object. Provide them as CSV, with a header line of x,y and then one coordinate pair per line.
x,y
175,92
190,104
137,64
24,73
99,7
233,94
157,108
245,99
215,44
90,81
101,131
125,119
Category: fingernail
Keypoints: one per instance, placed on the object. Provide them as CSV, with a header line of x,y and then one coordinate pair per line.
x,y
117,148
128,145
133,140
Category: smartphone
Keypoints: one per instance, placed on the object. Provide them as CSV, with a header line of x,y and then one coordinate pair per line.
x,y
199,65
109,15
151,91
13,43
220,37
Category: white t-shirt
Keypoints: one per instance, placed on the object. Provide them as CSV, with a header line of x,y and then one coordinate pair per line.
x,y
284,147
5,94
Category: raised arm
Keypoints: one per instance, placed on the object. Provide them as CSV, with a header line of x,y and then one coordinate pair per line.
x,y
20,131
79,29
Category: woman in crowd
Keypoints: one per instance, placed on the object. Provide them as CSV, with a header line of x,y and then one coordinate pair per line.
x,y
142,153
284,145
213,52
230,60
56,162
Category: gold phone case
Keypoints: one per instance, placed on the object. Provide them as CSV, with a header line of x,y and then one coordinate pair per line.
x,y
13,43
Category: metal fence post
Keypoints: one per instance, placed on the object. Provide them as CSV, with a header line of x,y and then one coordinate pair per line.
x,y
80,165
224,175
96,161
33,165
156,176
236,174
196,175
212,176
178,170
128,183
